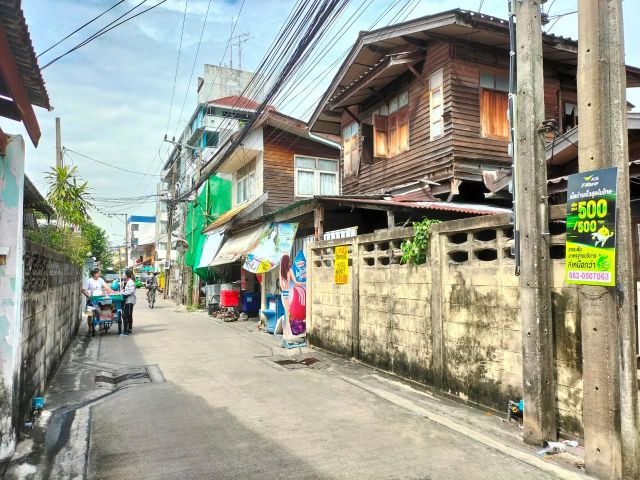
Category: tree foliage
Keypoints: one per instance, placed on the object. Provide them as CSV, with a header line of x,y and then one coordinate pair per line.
x,y
414,250
68,195
98,242
64,240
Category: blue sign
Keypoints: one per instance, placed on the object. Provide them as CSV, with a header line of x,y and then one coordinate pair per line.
x,y
299,267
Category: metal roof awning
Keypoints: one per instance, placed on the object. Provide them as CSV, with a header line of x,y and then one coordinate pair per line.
x,y
233,213
238,245
210,248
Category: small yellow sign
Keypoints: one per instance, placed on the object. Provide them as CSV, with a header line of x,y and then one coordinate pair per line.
x,y
341,264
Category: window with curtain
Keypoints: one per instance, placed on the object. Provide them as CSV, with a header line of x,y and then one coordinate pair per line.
x,y
391,127
315,176
436,101
245,184
494,105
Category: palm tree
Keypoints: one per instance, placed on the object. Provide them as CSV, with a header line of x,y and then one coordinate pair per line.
x,y
67,195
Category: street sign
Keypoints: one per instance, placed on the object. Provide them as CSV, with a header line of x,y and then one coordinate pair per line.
x,y
591,228
341,265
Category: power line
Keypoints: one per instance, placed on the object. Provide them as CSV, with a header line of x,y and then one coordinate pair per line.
x,y
105,30
80,28
175,75
65,150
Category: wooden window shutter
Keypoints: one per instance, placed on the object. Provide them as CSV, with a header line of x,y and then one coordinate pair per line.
x,y
380,147
355,153
392,132
367,143
493,113
346,155
403,128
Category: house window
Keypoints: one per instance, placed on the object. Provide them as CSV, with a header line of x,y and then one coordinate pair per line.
x,y
315,176
570,116
494,104
391,127
246,184
162,246
436,101
211,139
163,228
350,149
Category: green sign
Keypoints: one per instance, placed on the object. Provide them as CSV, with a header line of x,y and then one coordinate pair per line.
x,y
591,228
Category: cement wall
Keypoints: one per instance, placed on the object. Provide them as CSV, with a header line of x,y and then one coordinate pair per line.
x,y
51,313
453,323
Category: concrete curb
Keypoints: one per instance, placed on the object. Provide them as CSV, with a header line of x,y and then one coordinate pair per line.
x,y
490,442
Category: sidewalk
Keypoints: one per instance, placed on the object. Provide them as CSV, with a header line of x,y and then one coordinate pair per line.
x,y
189,397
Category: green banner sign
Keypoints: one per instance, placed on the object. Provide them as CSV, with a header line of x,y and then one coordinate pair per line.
x,y
591,228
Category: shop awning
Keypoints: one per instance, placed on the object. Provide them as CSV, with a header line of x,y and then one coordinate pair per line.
x,y
238,245
211,246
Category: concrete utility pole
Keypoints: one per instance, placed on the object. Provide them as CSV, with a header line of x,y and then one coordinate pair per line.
x,y
607,313
167,276
540,419
59,159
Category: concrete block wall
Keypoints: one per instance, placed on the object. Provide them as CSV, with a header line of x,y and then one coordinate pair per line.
x,y
453,323
51,312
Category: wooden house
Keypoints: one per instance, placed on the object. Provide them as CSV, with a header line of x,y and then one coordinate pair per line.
x,y
425,101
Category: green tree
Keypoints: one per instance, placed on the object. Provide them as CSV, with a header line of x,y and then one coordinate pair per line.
x,y
98,243
68,195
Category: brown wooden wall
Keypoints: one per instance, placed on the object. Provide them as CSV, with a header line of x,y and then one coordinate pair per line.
x,y
462,151
425,158
279,150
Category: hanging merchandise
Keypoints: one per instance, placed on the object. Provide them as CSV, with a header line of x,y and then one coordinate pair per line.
x,y
275,241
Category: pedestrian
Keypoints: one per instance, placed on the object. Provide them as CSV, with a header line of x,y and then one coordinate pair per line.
x,y
287,280
94,285
129,294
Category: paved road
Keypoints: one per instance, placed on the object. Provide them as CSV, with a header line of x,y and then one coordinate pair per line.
x,y
219,407
227,411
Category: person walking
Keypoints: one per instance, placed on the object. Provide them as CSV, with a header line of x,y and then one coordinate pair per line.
x,y
129,293
95,284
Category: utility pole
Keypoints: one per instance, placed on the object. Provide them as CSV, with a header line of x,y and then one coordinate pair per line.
x,y
170,204
540,419
607,313
59,159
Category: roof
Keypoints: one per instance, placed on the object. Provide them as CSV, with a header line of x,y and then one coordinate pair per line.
x,y
236,101
228,216
17,32
375,50
34,199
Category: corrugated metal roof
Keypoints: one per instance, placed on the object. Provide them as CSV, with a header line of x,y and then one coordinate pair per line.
x,y
236,101
226,217
17,32
468,208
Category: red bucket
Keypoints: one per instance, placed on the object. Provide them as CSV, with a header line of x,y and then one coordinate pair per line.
x,y
229,298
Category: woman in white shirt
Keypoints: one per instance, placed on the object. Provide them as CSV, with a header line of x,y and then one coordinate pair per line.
x,y
94,284
129,293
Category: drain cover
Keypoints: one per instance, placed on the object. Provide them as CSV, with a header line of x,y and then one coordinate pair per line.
x,y
288,363
121,378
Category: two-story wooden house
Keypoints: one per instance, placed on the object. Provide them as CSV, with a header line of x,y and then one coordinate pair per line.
x,y
427,100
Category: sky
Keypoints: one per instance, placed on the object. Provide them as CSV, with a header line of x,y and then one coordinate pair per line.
x,y
114,95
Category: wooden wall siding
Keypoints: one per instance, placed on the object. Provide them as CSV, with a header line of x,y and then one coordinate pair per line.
x,y
424,158
468,142
279,150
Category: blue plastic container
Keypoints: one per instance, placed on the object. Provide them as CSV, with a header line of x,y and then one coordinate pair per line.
x,y
250,302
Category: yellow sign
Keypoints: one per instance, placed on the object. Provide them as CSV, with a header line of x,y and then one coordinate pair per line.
x,y
341,265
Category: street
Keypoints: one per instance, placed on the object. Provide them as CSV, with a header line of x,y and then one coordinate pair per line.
x,y
219,407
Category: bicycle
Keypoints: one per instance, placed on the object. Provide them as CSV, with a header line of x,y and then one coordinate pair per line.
x,y
151,296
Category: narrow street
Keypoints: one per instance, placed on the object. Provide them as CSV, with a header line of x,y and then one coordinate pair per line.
x,y
219,407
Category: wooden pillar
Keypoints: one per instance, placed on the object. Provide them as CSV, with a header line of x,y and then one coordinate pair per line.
x,y
391,219
610,411
318,222
540,416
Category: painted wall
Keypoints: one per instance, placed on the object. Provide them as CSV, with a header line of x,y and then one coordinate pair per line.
x,y
453,323
11,273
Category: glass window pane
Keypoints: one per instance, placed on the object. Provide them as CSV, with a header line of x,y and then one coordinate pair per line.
x,y
486,81
502,84
435,80
330,165
436,98
306,183
436,129
384,109
393,105
403,99
251,185
328,184
570,108
436,113
305,162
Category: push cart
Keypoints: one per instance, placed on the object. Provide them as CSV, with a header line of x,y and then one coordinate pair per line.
x,y
106,321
